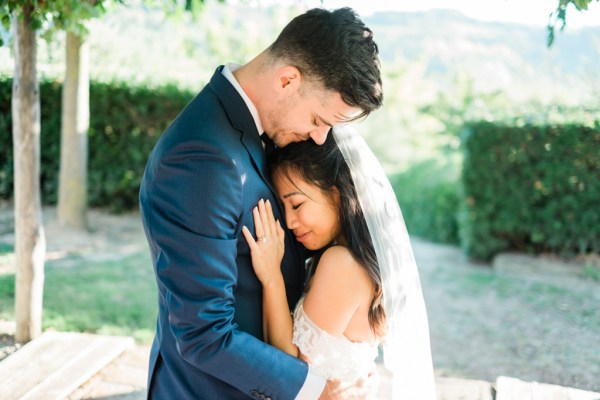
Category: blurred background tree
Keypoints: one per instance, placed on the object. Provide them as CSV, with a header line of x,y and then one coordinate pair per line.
x,y
30,19
30,242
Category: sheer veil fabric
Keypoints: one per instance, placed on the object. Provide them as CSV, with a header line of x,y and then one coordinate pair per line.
x,y
406,346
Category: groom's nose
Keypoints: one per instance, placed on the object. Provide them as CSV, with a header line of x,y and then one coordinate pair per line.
x,y
319,134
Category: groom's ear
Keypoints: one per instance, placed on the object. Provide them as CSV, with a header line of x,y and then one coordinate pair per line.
x,y
287,79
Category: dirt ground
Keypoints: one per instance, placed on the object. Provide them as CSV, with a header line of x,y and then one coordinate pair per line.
x,y
532,318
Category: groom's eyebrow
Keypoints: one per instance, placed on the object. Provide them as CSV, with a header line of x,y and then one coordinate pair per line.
x,y
323,121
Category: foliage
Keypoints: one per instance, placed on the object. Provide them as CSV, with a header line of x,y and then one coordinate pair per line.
x,y
124,125
559,16
71,15
530,188
6,151
49,16
428,194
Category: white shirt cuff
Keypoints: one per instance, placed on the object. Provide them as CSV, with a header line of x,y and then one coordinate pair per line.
x,y
313,386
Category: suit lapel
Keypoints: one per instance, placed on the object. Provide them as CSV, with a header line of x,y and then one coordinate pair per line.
x,y
242,120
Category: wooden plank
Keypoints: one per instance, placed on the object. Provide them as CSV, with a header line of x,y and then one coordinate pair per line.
x,y
446,388
33,362
462,389
124,378
57,363
514,389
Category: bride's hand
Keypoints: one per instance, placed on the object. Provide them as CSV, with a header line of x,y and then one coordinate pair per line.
x,y
267,250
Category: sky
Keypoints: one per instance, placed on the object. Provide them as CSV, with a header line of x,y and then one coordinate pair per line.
x,y
531,12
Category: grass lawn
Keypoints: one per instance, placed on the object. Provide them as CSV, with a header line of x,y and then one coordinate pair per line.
x,y
116,297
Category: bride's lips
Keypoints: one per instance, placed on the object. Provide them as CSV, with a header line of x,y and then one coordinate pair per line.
x,y
302,236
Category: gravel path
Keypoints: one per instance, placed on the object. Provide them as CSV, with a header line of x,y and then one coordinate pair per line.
x,y
532,318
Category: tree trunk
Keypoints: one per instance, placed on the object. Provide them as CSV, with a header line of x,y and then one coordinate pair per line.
x,y
30,242
72,195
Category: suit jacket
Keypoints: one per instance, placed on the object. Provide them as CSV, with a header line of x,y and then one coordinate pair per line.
x,y
202,180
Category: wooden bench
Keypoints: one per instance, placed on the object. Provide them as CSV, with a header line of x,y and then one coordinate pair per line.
x,y
55,364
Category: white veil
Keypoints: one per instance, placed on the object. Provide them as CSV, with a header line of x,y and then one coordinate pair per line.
x,y
406,347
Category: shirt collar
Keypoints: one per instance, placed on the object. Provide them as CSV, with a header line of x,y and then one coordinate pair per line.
x,y
228,70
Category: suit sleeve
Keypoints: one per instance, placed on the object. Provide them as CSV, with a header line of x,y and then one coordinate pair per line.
x,y
196,198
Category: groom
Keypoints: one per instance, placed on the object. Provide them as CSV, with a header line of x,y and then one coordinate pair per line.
x,y
207,172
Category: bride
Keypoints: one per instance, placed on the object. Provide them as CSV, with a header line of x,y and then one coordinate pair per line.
x,y
363,288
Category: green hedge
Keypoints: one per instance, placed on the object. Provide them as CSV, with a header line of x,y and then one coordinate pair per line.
x,y
125,122
428,194
530,188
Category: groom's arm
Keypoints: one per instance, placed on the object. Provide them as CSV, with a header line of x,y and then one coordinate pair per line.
x,y
194,202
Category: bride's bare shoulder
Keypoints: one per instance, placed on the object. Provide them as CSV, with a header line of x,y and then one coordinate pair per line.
x,y
338,253
339,263
338,289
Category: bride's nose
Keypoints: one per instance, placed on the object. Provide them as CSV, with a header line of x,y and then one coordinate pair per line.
x,y
290,220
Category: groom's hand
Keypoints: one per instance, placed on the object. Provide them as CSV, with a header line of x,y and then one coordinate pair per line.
x,y
331,391
364,388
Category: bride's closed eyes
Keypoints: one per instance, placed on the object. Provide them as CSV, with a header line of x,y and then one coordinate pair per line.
x,y
310,213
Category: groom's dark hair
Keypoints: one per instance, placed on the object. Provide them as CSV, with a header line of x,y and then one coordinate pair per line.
x,y
335,49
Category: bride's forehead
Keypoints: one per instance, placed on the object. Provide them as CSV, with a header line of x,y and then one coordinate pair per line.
x,y
288,180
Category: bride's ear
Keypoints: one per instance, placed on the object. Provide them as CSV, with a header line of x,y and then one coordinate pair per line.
x,y
335,196
287,79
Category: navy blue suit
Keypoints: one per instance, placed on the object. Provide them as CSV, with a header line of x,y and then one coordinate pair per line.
x,y
204,177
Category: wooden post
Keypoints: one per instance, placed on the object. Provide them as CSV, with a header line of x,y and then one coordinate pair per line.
x,y
30,243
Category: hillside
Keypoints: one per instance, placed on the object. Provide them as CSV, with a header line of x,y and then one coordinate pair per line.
x,y
137,44
501,56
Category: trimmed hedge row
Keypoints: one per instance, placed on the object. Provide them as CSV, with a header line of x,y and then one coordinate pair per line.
x,y
530,188
125,123
428,197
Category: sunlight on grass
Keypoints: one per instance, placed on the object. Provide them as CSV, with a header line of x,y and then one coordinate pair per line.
x,y
110,297
6,248
7,297
591,272
578,307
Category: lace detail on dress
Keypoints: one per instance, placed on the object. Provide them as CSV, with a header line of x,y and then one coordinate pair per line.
x,y
332,357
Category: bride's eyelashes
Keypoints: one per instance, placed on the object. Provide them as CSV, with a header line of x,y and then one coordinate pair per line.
x,y
295,207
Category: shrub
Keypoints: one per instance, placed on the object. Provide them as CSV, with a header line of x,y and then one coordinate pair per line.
x,y
125,123
530,188
428,196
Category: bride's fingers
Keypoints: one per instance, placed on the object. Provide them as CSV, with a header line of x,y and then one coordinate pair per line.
x,y
280,231
249,238
264,219
258,226
271,218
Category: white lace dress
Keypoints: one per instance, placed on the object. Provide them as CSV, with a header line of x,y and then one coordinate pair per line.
x,y
331,356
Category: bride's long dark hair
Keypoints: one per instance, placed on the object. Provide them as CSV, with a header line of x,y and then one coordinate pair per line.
x,y
324,166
